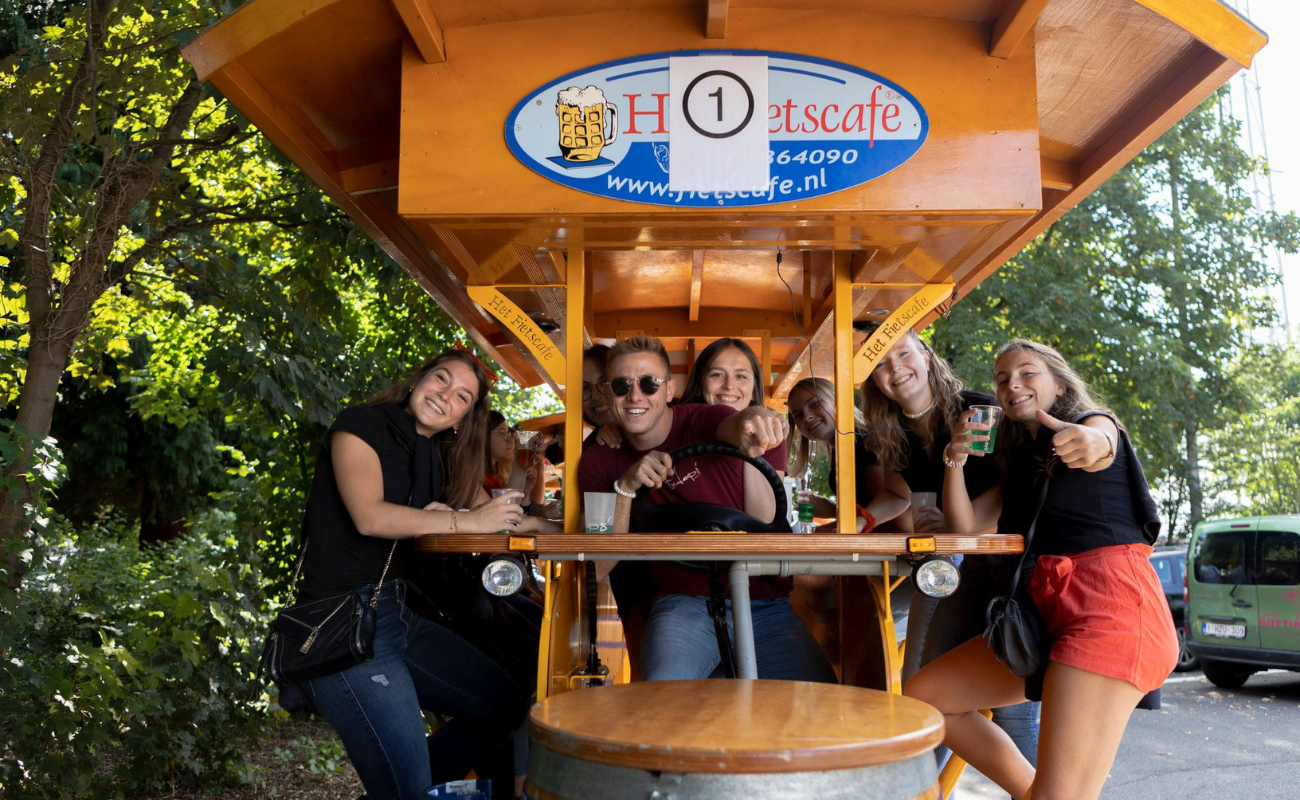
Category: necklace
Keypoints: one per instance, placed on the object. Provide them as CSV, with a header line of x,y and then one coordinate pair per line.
x,y
919,414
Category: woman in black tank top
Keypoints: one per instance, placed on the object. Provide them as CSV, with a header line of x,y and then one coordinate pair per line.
x,y
1111,638
911,403
390,470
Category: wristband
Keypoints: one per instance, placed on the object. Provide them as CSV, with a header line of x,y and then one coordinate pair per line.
x,y
868,517
618,490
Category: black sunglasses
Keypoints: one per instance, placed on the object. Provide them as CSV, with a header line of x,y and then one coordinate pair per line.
x,y
649,385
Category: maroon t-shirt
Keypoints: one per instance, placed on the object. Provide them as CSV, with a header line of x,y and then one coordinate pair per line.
x,y
704,479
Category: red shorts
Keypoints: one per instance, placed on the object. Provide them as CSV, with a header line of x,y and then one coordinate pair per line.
x,y
1106,612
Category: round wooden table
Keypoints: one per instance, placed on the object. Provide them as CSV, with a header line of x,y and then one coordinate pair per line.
x,y
732,740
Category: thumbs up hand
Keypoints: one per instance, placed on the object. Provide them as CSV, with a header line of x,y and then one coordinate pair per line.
x,y
1080,446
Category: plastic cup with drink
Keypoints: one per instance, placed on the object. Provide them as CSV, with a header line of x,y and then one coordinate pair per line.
x,y
986,415
497,493
525,457
599,511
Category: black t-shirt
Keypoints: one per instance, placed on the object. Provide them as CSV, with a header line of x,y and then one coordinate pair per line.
x,y
924,471
862,458
1082,510
339,558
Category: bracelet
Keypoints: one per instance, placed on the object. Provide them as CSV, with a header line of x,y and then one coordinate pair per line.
x,y
868,518
618,490
951,463
1109,444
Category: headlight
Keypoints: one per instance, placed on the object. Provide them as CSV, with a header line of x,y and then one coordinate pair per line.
x,y
503,576
936,577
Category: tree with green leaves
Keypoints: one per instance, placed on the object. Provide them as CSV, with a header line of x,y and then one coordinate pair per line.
x,y
1151,288
1255,459
108,151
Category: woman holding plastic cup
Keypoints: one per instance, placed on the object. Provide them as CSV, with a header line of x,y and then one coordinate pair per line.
x,y
911,403
1073,477
509,465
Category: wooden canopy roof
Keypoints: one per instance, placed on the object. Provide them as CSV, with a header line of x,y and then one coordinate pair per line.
x,y
396,109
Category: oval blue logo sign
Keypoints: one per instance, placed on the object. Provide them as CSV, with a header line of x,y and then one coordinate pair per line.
x,y
604,130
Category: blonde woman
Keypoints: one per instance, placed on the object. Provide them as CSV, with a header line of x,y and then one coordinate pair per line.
x,y
811,411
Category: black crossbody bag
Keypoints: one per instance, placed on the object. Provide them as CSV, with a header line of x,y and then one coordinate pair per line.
x,y
321,637
1016,630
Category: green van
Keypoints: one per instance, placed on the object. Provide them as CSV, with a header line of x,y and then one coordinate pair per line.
x,y
1243,596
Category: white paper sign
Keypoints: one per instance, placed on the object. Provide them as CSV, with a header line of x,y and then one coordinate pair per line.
x,y
717,133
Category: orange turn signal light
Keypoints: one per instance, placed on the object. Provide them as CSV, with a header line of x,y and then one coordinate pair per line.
x,y
921,544
523,544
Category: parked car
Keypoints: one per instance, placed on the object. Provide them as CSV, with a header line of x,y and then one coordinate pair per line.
x,y
1243,597
1171,566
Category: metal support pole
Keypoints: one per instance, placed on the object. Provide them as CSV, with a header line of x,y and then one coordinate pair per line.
x,y
742,621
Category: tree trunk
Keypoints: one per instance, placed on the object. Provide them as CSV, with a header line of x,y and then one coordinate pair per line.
x,y
1194,493
46,361
1192,426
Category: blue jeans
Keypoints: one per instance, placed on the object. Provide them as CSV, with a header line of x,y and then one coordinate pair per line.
x,y
680,642
418,664
937,626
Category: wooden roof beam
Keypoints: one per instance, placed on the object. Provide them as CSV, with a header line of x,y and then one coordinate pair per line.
x,y
820,333
369,210
882,263
423,26
1215,25
369,178
248,27
697,280
1058,174
1184,92
715,322
715,27
1013,25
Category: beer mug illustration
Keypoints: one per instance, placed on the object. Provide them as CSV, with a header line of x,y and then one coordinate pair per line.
x,y
588,122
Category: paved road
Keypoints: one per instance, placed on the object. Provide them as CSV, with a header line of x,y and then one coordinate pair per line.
x,y
1205,742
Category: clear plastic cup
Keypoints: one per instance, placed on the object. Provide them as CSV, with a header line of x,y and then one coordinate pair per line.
x,y
599,511
991,416
497,493
922,499
526,447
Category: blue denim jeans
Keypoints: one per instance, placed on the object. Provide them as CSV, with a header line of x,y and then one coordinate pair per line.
x,y
418,664
937,626
680,642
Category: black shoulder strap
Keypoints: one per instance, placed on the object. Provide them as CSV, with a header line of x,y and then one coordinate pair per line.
x,y
1029,535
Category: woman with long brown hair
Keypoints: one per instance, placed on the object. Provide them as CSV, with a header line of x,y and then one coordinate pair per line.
x,y
499,452
879,498
1074,478
911,403
392,469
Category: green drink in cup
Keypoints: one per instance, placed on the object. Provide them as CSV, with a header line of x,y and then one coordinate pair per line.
x,y
986,415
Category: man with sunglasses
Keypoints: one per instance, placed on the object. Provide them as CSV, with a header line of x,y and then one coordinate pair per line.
x,y
679,641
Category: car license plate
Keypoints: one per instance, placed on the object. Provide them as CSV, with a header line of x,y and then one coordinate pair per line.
x,y
1223,631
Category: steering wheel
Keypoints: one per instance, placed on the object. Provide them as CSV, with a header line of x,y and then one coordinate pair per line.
x,y
648,517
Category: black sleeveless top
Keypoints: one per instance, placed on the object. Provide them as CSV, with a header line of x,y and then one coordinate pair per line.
x,y
924,471
1082,510
339,558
